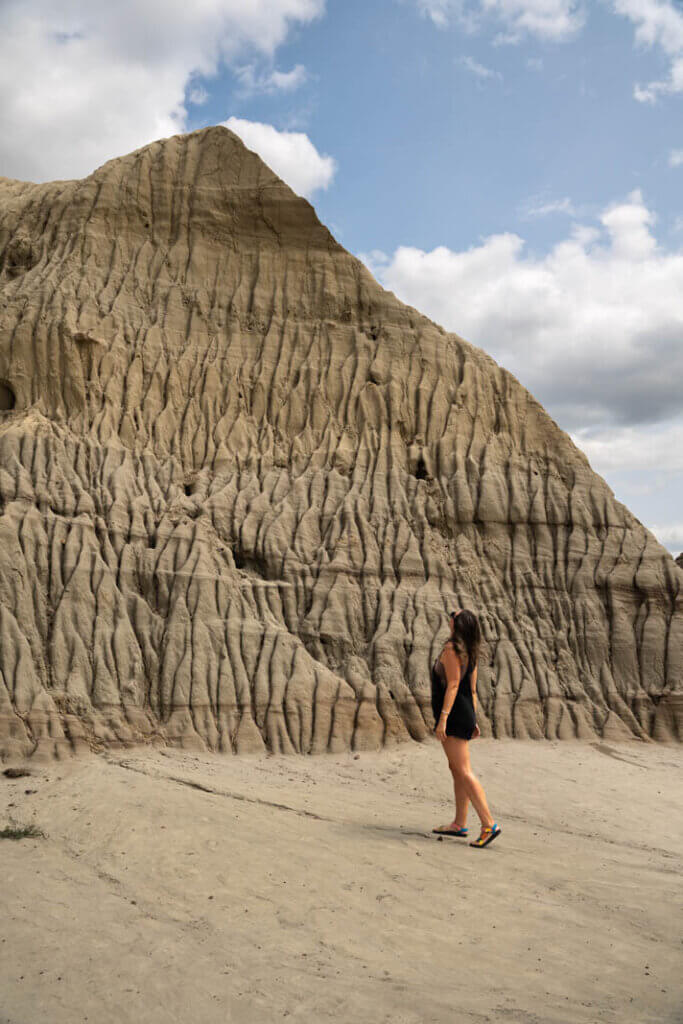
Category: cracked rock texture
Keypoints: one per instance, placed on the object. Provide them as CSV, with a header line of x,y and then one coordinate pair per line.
x,y
241,485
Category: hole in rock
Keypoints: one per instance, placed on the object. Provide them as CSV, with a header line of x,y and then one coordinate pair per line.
x,y
7,397
421,469
189,489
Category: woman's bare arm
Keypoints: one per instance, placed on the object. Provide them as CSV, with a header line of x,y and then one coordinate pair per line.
x,y
473,681
451,665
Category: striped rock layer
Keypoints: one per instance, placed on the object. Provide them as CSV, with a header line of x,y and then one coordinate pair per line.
x,y
241,486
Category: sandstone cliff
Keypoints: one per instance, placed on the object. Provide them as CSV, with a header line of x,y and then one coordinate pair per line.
x,y
241,486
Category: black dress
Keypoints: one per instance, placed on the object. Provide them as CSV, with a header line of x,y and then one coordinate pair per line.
x,y
461,721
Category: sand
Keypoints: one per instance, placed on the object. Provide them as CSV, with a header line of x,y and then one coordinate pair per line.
x,y
174,887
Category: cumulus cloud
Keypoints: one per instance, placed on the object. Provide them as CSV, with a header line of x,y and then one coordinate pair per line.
x,y
546,19
291,155
676,158
594,328
85,80
658,23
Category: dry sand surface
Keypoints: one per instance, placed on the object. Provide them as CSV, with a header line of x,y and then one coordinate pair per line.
x,y
179,888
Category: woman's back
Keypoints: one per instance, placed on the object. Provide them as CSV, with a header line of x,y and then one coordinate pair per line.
x,y
461,720
439,668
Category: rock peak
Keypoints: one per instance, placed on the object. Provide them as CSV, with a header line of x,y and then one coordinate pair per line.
x,y
241,486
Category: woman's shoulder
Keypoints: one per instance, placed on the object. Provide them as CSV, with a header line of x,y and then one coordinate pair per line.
x,y
449,649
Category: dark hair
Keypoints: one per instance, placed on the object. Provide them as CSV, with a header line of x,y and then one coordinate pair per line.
x,y
466,635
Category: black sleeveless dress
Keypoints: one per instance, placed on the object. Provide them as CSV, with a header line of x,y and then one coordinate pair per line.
x,y
461,721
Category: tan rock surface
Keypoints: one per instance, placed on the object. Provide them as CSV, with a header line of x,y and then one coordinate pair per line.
x,y
241,485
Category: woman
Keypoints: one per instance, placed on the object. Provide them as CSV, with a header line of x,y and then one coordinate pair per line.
x,y
454,702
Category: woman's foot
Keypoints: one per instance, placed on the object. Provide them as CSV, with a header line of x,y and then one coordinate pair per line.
x,y
454,829
487,835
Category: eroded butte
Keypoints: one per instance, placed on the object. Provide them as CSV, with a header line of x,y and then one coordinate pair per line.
x,y
241,485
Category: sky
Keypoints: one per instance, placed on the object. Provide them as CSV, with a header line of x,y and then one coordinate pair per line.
x,y
511,168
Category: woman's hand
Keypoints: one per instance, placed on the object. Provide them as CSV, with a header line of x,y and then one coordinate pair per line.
x,y
477,732
441,729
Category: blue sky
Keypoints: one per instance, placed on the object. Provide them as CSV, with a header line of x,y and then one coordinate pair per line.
x,y
513,168
462,156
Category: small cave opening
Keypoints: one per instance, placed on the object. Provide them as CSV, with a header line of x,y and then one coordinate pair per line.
x,y
189,490
8,399
421,469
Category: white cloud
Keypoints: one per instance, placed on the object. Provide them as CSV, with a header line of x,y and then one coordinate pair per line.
x,y
253,82
478,70
553,20
438,10
656,446
676,158
287,81
82,81
539,207
198,95
547,19
644,464
670,535
594,328
291,155
658,23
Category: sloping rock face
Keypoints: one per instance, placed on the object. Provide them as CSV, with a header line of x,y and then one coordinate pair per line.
x,y
241,486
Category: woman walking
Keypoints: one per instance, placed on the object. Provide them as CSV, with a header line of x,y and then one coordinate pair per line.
x,y
454,703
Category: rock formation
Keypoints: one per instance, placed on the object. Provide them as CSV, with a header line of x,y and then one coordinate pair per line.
x,y
241,485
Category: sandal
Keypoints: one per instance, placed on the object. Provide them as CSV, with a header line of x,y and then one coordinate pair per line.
x,y
486,836
446,830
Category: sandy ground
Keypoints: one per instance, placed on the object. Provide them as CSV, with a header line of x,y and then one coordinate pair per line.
x,y
179,888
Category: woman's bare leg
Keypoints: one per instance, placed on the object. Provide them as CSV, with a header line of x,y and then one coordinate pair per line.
x,y
458,754
462,803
